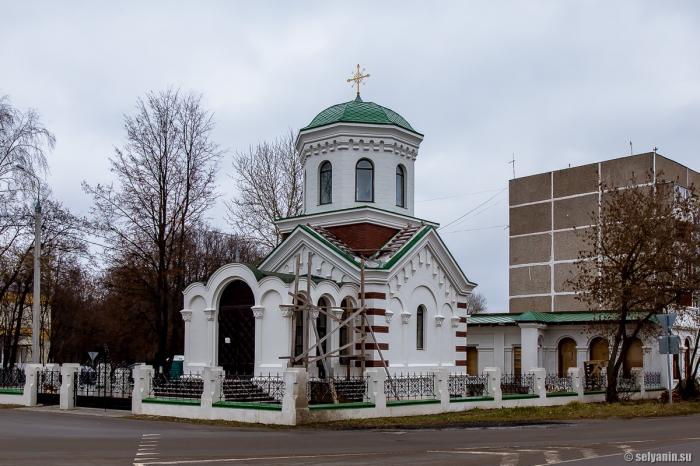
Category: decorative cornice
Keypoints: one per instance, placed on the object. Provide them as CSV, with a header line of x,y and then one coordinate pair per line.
x,y
210,313
186,315
258,311
405,317
337,313
388,314
439,320
455,321
287,312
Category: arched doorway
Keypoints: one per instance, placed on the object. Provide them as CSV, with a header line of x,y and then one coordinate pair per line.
x,y
599,349
633,358
237,329
345,334
567,355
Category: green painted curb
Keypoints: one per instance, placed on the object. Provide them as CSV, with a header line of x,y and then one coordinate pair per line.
x,y
357,405
474,398
519,397
247,405
411,402
166,401
556,394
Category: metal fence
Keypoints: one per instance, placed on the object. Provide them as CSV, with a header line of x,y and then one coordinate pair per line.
x,y
49,386
410,387
467,386
337,390
185,387
12,377
595,383
514,384
652,380
555,384
250,389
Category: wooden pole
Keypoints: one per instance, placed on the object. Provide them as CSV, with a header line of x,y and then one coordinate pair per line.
x,y
363,318
297,265
306,313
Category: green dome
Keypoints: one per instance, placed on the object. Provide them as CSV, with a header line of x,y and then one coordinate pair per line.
x,y
358,111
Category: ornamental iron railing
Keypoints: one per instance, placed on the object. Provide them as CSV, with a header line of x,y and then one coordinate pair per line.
x,y
104,380
337,390
12,377
414,386
652,380
185,387
467,386
595,383
515,384
555,384
250,389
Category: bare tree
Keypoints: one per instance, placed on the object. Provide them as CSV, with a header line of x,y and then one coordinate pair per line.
x,y
165,173
476,303
269,178
640,258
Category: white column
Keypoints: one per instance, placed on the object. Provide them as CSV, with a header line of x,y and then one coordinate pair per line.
x,y
143,376
187,318
213,340
529,335
637,374
581,356
68,381
499,358
258,313
377,379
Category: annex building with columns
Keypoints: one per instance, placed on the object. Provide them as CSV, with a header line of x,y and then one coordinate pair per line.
x,y
359,163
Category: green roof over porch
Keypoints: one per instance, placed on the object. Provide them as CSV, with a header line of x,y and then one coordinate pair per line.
x,y
570,317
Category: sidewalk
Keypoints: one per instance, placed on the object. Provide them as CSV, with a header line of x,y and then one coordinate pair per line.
x,y
80,411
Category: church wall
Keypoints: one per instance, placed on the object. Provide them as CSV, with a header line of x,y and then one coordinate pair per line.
x,y
344,156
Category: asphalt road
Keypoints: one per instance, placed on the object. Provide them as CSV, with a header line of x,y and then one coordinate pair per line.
x,y
34,437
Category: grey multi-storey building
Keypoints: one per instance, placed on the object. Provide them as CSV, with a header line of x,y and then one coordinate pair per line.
x,y
549,210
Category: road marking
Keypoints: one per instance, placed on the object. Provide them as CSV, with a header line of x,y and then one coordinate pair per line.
x,y
148,449
507,459
263,458
578,459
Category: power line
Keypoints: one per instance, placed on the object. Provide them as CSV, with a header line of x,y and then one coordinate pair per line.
x,y
475,208
457,195
493,227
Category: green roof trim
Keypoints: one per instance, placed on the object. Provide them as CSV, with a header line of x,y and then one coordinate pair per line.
x,y
570,317
359,111
365,206
285,277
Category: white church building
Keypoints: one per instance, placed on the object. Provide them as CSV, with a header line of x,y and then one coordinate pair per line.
x,y
359,164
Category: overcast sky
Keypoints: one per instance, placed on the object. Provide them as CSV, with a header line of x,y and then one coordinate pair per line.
x,y
554,82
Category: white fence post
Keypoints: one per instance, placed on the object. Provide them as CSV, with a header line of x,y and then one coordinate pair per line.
x,y
31,383
68,382
576,381
375,389
295,404
493,380
539,376
143,376
211,392
442,378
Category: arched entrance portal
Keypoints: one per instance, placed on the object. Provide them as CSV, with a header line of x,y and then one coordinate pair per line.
x,y
237,329
599,349
633,358
567,355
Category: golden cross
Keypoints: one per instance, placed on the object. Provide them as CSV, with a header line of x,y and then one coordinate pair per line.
x,y
357,78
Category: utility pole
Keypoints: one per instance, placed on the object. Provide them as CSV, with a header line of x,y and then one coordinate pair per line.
x,y
36,297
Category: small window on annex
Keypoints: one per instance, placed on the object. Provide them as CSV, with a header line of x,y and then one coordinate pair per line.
x,y
420,328
400,186
325,183
364,181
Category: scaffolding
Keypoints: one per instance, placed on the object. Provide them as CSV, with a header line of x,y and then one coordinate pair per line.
x,y
303,308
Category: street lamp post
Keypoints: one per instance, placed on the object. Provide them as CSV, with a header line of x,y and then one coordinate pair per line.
x,y
36,300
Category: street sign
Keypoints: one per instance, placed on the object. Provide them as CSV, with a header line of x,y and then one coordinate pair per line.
x,y
93,355
670,344
666,320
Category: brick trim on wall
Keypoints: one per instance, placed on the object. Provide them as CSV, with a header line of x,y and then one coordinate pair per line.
x,y
372,311
374,295
372,346
461,334
461,362
461,305
376,328
372,363
461,348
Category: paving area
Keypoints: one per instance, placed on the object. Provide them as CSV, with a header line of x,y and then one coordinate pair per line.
x,y
94,437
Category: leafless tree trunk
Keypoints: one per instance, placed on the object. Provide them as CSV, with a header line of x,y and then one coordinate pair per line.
x,y
269,178
165,174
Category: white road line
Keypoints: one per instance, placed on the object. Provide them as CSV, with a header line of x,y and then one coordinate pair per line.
x,y
507,459
578,459
263,458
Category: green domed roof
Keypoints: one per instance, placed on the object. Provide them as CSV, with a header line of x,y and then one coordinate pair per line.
x,y
358,111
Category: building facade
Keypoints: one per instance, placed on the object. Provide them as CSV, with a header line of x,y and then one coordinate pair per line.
x,y
359,161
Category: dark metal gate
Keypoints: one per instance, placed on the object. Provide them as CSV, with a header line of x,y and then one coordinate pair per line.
x,y
104,386
48,390
237,329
